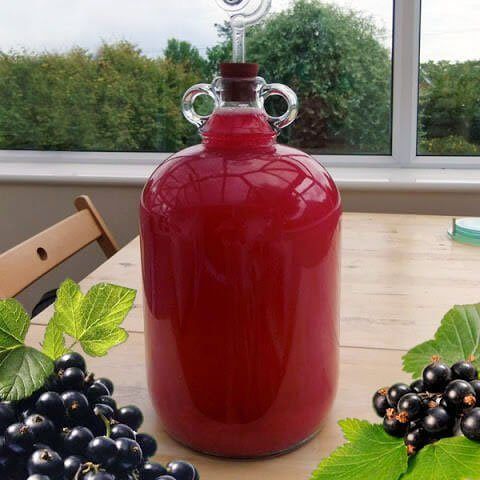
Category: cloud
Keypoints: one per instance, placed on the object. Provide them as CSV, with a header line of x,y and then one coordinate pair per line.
x,y
60,24
450,28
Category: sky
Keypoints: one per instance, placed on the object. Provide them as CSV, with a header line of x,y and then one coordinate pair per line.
x,y
450,31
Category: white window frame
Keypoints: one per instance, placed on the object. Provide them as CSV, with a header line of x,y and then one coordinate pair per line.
x,y
406,63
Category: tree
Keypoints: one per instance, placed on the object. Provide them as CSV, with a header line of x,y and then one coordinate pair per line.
x,y
185,54
450,106
339,69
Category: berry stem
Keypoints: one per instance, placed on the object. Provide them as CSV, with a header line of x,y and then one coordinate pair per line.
x,y
108,427
78,474
87,467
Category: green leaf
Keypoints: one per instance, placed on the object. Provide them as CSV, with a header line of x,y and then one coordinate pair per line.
x,y
23,370
54,341
14,324
455,458
94,319
353,427
371,454
457,338
68,308
416,359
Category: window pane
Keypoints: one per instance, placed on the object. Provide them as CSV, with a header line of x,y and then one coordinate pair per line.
x,y
339,60
449,83
108,75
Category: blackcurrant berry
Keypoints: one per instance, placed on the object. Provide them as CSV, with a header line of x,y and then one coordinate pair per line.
x,y
102,450
438,421
77,408
107,382
43,429
3,448
464,371
394,427
7,416
36,476
6,463
470,424
151,471
17,469
410,407
380,402
124,475
26,403
416,424
459,395
75,441
396,392
436,376
50,404
129,454
99,476
476,386
181,470
415,440
69,360
95,391
417,386
107,400
166,477
448,407
147,443
19,438
72,379
26,413
72,466
122,431
46,462
131,416
102,410
98,426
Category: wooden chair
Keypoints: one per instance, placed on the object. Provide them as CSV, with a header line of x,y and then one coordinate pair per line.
x,y
27,262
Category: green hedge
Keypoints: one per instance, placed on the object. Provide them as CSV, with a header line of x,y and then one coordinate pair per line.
x,y
118,99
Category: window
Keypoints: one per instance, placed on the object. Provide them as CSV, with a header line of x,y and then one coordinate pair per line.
x,y
381,83
449,81
353,106
339,61
109,76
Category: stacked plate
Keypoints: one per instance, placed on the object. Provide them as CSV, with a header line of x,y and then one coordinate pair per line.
x,y
465,230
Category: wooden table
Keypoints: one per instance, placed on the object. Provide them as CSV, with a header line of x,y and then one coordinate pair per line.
x,y
401,273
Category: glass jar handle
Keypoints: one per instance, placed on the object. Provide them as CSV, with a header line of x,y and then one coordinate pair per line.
x,y
292,104
188,101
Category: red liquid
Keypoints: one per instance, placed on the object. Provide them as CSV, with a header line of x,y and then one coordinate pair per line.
x,y
240,247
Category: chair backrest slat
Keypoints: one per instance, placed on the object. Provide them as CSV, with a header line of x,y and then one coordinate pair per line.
x,y
28,261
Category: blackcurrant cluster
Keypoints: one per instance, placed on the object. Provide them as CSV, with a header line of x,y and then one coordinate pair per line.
x,y
72,429
441,404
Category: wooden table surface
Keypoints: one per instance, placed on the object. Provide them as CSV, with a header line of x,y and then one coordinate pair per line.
x,y
400,274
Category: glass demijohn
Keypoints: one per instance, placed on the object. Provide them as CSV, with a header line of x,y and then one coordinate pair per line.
x,y
240,250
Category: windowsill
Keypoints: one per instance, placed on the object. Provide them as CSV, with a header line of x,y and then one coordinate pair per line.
x,y
347,178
